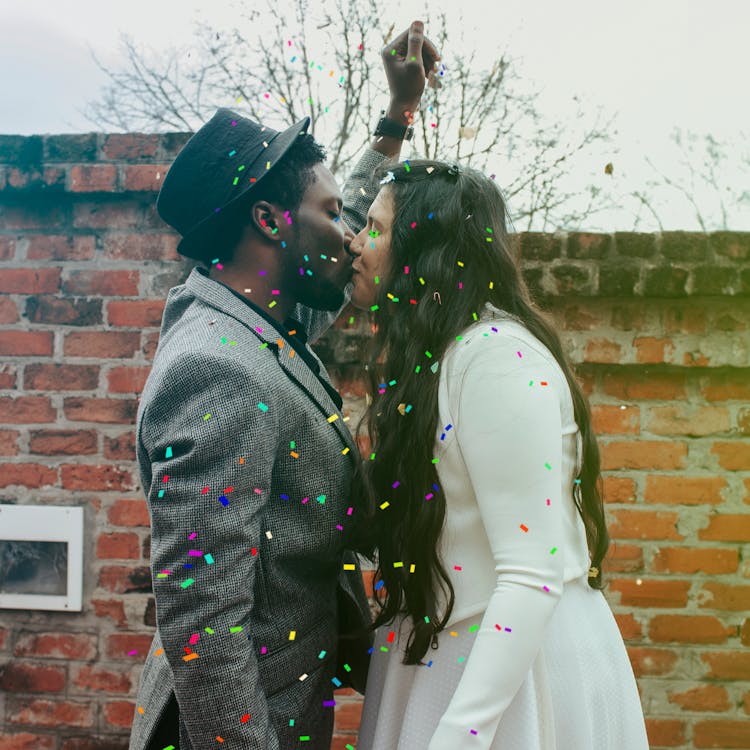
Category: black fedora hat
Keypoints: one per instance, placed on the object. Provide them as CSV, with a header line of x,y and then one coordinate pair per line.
x,y
214,174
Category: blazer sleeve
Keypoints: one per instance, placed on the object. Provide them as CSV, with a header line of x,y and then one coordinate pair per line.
x,y
358,194
211,448
508,428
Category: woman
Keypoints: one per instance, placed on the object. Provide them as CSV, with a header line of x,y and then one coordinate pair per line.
x,y
481,492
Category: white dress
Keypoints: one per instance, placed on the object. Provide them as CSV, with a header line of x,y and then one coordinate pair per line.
x,y
531,658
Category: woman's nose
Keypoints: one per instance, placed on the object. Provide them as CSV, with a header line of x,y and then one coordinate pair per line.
x,y
353,246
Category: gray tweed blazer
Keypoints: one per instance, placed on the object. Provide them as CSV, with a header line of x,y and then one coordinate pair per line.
x,y
246,464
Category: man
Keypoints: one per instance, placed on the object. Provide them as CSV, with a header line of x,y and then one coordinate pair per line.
x,y
244,456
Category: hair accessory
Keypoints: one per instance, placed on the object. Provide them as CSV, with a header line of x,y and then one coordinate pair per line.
x,y
390,177
454,170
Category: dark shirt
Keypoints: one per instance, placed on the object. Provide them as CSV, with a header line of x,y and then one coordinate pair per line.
x,y
293,332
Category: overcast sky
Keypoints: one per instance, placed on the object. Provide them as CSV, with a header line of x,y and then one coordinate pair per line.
x,y
655,64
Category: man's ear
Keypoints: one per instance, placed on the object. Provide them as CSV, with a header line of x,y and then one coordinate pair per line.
x,y
265,219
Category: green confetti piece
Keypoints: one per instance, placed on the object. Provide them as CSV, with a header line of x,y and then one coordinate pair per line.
x,y
427,619
262,406
531,382
292,445
474,315
377,279
161,493
189,582
263,346
347,668
372,457
235,629
208,630
417,368
374,308
459,338
351,320
436,460
473,628
384,649
168,454
461,658
321,499
392,382
553,550
206,417
548,467
291,722
322,654
428,354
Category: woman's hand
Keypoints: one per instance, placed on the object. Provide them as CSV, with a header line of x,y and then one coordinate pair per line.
x,y
408,60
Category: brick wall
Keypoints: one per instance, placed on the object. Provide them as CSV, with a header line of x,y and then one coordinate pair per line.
x,y
658,326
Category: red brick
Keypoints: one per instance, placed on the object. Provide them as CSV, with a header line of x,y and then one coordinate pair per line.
x,y
34,215
109,411
8,311
695,359
348,716
91,478
687,560
636,385
615,420
725,386
145,177
643,454
119,713
63,442
117,545
684,319
27,475
26,343
45,713
127,379
142,313
93,178
135,247
687,420
651,350
650,593
7,248
630,629
729,527
721,733
120,447
9,442
122,214
91,678
78,646
29,280
702,698
734,456
618,490
27,741
129,513
114,609
577,317
32,178
27,677
8,377
129,146
102,283
39,377
643,524
102,344
125,579
61,247
150,343
45,308
119,646
727,665
665,732
688,629
623,558
603,351
684,490
26,409
651,661
724,596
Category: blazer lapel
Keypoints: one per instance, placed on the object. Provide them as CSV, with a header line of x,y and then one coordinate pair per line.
x,y
291,363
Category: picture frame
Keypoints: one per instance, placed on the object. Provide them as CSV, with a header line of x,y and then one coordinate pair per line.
x,y
41,557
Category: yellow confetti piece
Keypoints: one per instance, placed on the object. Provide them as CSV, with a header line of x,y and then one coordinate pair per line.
x,y
292,635
349,566
332,418
412,567
384,505
345,451
398,565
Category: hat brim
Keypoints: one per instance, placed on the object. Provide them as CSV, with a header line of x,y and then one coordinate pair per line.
x,y
197,243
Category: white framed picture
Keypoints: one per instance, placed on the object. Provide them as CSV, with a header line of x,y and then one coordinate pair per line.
x,y
41,557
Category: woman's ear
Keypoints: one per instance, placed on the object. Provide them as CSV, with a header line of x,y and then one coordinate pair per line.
x,y
265,220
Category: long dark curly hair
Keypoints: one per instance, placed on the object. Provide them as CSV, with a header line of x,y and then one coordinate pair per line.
x,y
449,226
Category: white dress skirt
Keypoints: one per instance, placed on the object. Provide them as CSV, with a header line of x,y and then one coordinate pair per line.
x,y
580,693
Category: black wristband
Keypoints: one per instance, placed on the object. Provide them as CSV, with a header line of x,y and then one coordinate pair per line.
x,y
393,129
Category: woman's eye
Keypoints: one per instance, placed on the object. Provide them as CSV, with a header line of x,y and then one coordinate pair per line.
x,y
335,216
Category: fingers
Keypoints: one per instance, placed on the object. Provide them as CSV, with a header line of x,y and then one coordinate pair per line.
x,y
416,39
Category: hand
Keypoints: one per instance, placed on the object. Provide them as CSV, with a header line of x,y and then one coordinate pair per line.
x,y
408,60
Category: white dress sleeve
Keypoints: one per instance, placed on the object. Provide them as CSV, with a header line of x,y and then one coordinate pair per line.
x,y
508,428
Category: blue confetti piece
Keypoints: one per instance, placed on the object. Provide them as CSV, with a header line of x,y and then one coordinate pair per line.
x,y
161,493
168,454
262,406
224,501
284,497
378,585
208,557
336,681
